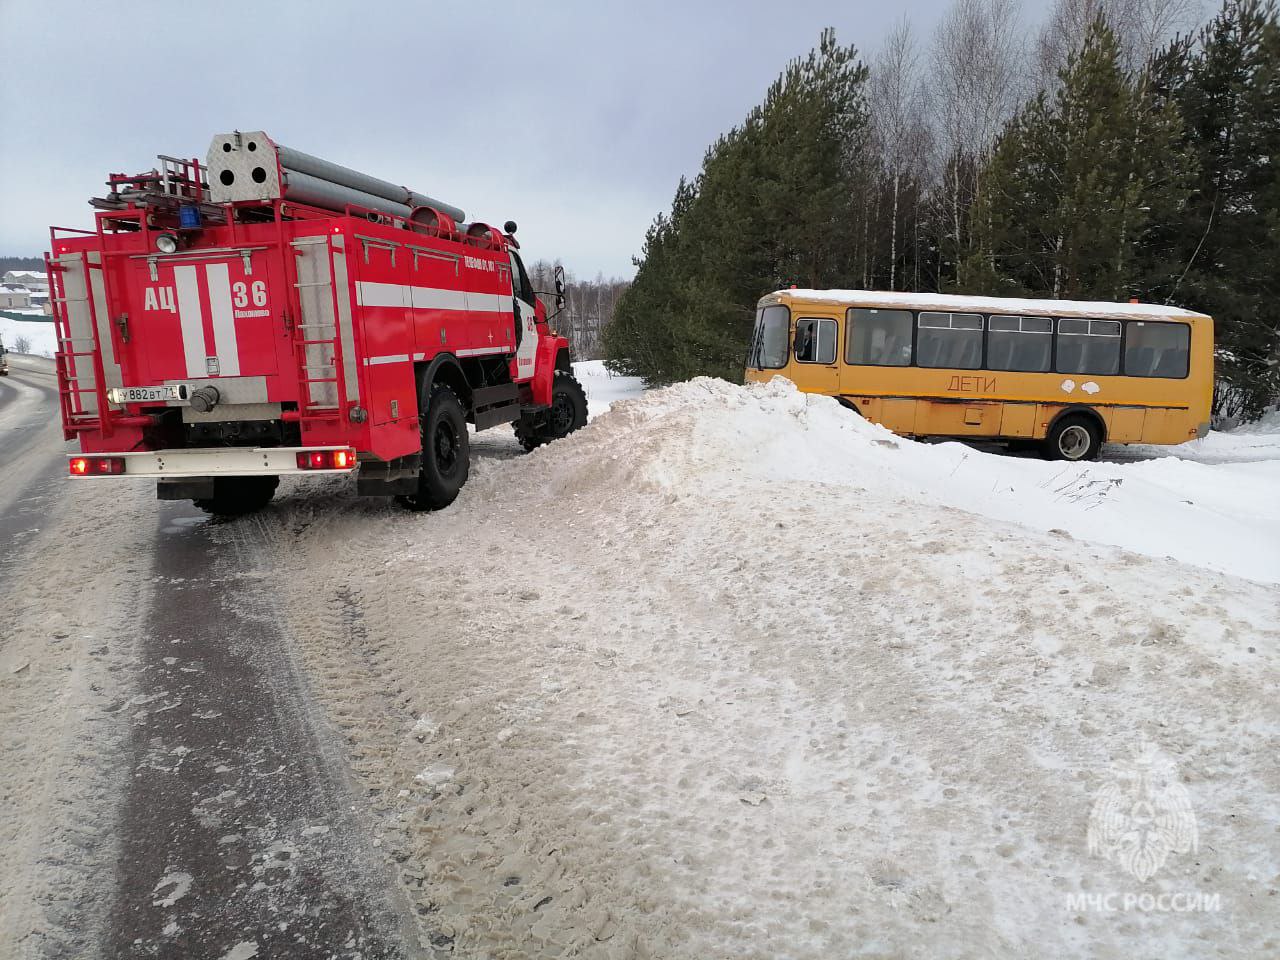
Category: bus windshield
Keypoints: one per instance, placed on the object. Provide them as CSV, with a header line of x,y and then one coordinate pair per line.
x,y
771,344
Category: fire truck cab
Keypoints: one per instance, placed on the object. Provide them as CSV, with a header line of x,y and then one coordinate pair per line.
x,y
267,312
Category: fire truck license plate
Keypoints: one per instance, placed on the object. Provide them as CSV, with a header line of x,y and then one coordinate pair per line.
x,y
166,391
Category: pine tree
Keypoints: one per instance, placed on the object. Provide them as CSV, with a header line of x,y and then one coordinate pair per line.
x,y
1074,180
1230,256
771,206
639,341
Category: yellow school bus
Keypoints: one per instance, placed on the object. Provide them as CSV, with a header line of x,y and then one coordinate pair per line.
x,y
1068,375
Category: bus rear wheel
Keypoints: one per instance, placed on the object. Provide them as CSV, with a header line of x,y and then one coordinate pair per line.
x,y
1073,438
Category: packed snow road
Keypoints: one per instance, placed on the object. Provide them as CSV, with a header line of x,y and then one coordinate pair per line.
x,y
727,673
170,790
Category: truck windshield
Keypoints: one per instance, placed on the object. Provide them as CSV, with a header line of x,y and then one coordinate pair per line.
x,y
520,284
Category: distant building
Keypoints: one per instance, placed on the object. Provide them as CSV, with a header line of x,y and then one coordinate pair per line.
x,y
14,297
31,279
40,298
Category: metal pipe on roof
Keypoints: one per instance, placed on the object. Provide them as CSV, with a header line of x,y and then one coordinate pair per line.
x,y
318,169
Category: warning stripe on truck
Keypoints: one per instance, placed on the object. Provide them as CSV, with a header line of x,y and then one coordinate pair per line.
x,y
373,294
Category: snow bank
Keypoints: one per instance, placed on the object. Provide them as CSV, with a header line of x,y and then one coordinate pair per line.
x,y
695,435
44,341
729,673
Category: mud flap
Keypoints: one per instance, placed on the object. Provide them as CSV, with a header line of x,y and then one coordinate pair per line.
x,y
188,488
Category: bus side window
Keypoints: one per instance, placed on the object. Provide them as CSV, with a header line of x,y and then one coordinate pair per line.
x,y
951,340
815,341
806,342
1088,346
1019,343
1155,349
878,337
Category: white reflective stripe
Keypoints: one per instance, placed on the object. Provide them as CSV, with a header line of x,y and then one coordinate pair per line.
x,y
488,303
371,294
389,358
431,298
224,321
480,351
191,320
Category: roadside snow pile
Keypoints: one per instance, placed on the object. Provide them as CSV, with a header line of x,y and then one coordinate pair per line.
x,y
726,673
39,332
692,437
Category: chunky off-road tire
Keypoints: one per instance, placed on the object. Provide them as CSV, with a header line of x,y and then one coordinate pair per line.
x,y
446,450
236,496
568,412
1075,437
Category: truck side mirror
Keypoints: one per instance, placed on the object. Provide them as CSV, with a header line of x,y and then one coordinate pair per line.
x,y
559,275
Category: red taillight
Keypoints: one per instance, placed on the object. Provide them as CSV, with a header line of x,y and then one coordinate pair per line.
x,y
95,466
326,459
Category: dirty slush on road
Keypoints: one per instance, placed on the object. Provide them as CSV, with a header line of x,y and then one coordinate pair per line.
x,y
171,790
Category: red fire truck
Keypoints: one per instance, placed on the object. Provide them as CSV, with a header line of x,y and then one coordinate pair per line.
x,y
267,312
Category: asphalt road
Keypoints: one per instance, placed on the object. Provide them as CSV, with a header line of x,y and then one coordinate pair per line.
x,y
234,831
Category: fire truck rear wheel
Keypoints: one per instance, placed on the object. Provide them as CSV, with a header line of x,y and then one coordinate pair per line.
x,y
568,412
236,496
446,451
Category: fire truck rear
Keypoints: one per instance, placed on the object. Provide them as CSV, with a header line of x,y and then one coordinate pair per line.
x,y
267,312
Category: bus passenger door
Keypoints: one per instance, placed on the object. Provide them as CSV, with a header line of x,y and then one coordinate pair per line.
x,y
814,367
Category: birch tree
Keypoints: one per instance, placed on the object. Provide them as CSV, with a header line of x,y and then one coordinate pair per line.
x,y
896,101
978,78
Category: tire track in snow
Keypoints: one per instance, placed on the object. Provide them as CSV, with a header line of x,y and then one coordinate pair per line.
x,y
236,832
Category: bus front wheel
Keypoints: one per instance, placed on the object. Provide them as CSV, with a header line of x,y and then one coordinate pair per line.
x,y
1073,438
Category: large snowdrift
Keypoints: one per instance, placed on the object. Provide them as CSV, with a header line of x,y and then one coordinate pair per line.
x,y
731,673
1224,517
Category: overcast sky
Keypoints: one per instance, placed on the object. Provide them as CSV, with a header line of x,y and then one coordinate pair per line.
x,y
574,119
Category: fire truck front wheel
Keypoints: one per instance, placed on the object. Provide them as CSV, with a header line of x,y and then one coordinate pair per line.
x,y
446,451
236,496
568,412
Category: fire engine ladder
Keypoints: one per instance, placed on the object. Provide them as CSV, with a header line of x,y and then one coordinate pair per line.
x,y
78,414
317,352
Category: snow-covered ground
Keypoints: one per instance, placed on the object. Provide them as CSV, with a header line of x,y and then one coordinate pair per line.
x,y
730,672
39,331
604,388
1249,442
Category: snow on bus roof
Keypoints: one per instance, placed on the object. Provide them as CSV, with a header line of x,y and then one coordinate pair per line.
x,y
990,305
